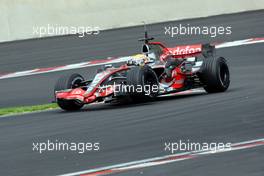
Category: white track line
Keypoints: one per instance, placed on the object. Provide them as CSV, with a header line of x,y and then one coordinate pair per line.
x,y
165,159
112,60
62,68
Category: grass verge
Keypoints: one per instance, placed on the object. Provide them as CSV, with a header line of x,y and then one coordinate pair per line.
x,y
26,109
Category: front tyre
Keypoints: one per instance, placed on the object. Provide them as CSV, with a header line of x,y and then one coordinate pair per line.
x,y
142,83
215,74
69,81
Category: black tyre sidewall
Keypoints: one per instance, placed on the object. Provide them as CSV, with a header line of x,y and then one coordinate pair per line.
x,y
136,76
211,74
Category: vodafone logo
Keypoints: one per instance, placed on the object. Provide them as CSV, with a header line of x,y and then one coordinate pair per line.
x,y
182,50
188,49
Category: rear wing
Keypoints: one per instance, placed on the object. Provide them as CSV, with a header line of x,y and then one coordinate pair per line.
x,y
184,50
189,51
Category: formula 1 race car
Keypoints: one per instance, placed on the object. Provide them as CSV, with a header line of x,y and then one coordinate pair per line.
x,y
157,71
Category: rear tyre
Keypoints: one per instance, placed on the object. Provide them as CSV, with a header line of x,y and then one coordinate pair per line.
x,y
215,75
142,78
69,81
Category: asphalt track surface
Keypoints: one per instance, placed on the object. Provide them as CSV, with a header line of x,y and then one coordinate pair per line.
x,y
132,132
30,54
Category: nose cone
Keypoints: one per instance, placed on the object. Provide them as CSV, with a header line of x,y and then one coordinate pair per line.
x,y
77,91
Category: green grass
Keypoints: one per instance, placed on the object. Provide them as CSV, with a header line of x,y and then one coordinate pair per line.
x,y
26,109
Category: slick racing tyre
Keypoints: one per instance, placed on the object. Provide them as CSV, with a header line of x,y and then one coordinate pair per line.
x,y
215,74
142,83
69,81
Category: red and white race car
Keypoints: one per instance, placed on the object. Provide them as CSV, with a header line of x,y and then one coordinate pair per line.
x,y
157,71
